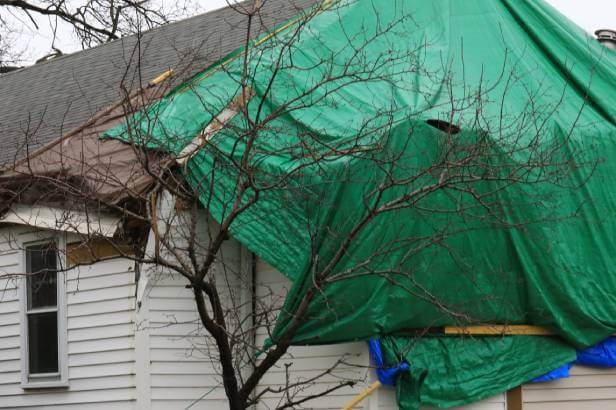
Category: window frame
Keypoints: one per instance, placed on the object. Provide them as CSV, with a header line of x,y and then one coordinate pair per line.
x,y
59,378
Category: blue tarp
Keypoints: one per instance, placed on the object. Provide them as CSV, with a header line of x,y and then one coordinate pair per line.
x,y
601,355
560,373
386,375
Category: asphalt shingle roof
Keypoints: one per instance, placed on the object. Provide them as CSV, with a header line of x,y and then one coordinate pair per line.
x,y
41,102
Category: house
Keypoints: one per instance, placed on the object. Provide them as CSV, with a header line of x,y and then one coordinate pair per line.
x,y
114,334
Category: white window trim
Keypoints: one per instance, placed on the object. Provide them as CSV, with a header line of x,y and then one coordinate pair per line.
x,y
60,379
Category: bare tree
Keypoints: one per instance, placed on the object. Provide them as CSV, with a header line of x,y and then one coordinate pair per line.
x,y
93,22
9,54
168,229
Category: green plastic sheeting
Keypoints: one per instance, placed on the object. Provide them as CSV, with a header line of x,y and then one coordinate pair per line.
x,y
548,92
454,371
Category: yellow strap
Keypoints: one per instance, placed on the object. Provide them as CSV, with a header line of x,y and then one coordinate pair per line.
x,y
367,392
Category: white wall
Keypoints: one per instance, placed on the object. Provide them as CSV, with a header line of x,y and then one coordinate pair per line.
x,y
100,310
587,389
181,371
181,361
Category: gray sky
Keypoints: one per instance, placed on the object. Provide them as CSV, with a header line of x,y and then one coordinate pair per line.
x,y
589,14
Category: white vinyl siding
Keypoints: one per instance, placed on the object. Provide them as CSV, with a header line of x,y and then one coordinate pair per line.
x,y
181,374
100,317
587,389
182,360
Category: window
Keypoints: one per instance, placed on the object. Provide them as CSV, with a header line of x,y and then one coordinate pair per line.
x,y
44,320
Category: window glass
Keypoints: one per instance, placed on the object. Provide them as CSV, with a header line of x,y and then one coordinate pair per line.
x,y
42,264
42,308
43,342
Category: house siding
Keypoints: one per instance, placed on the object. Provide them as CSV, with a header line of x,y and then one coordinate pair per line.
x,y
586,389
181,375
100,333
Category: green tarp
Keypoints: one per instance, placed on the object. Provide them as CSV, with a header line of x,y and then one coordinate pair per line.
x,y
453,371
523,236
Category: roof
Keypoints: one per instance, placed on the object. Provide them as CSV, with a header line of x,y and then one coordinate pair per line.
x,y
44,101
104,172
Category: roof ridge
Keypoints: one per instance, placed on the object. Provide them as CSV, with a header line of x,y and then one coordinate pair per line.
x,y
80,53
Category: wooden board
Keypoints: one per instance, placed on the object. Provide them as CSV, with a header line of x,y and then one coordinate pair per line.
x,y
497,330
80,253
514,399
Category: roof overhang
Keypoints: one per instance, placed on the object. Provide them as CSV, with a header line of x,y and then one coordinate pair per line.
x,y
65,220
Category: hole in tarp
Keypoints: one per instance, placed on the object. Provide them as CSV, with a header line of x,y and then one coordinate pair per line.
x,y
444,126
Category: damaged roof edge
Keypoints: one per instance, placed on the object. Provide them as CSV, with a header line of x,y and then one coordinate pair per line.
x,y
64,220
41,102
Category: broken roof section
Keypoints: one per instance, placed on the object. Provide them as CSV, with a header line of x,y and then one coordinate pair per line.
x,y
42,102
52,113
503,217
80,170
